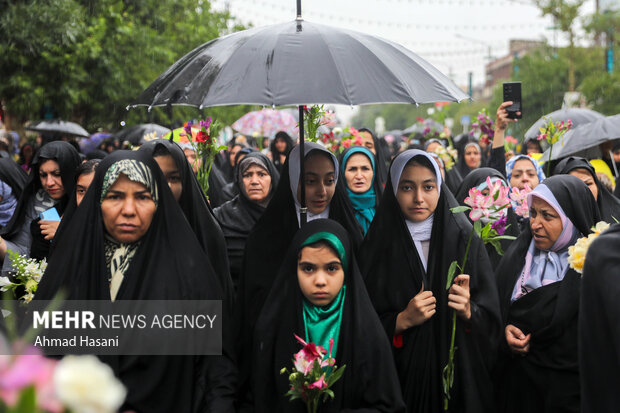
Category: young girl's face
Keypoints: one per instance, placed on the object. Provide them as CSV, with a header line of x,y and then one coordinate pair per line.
x,y
417,193
320,275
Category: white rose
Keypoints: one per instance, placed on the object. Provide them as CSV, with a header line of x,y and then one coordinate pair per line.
x,y
86,385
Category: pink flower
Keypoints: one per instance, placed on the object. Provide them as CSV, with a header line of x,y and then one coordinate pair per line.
x,y
419,119
519,197
542,136
480,204
29,370
202,137
304,358
358,141
354,131
346,143
319,384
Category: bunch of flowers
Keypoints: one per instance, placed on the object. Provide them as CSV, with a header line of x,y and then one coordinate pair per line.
x,y
484,125
552,132
519,200
32,383
493,207
577,253
206,146
348,137
315,116
27,274
510,143
447,155
315,372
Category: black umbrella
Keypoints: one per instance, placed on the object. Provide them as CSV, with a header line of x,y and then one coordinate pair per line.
x,y
134,134
297,63
59,127
577,116
584,139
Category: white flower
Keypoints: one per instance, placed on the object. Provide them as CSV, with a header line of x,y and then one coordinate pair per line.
x,y
5,284
86,385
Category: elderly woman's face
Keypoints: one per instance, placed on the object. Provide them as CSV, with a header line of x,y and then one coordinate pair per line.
x,y
127,210
257,183
545,223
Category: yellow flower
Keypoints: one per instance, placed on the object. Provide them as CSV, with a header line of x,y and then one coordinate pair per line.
x,y
600,227
577,253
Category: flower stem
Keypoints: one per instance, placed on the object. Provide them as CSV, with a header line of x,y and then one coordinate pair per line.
x,y
449,375
549,161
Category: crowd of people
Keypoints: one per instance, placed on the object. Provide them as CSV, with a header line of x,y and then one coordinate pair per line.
x,y
369,270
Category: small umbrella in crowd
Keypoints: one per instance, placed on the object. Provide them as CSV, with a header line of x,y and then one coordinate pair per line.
x,y
584,139
135,134
266,122
298,63
90,144
577,116
419,127
59,127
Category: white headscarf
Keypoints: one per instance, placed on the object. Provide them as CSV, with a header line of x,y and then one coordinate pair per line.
x,y
419,231
294,171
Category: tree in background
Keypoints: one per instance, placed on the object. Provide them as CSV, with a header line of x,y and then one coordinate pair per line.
x,y
88,59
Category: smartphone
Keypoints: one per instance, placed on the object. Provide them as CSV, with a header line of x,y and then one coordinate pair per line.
x,y
50,215
512,92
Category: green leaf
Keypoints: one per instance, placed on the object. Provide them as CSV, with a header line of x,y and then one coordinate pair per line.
x,y
335,376
458,209
478,227
451,274
27,401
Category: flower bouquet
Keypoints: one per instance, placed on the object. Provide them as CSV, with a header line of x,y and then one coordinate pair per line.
x,y
314,375
27,274
447,155
552,132
206,146
577,253
484,125
493,207
315,116
30,382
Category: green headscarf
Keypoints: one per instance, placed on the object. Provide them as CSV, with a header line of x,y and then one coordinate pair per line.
x,y
323,323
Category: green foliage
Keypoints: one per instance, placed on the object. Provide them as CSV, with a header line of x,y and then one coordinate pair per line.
x,y
90,58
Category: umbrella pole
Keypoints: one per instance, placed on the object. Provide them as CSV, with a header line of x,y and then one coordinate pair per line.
x,y
611,156
303,210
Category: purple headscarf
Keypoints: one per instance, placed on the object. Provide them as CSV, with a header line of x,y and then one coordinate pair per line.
x,y
546,267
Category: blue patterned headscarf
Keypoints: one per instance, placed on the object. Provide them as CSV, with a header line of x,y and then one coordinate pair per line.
x,y
511,164
364,204
7,204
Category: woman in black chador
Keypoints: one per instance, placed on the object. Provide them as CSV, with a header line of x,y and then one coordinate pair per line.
x,y
477,179
404,260
280,147
321,296
256,179
129,240
325,197
188,193
50,184
608,204
599,325
539,296
12,182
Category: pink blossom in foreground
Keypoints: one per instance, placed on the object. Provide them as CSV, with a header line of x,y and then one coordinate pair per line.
x,y
319,384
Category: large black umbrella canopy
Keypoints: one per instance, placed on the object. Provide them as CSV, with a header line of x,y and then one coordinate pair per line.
x,y
59,127
134,134
577,116
297,63
584,139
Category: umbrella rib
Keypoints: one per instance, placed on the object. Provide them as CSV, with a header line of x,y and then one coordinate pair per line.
x,y
344,85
